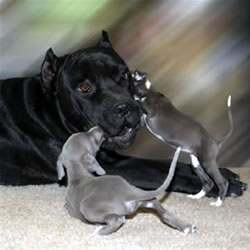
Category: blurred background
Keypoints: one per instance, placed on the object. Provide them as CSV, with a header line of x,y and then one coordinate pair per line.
x,y
195,51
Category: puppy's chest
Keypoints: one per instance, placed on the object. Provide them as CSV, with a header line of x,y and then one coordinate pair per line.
x,y
152,126
164,132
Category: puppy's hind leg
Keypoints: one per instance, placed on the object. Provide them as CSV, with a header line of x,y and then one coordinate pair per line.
x,y
167,217
207,183
114,222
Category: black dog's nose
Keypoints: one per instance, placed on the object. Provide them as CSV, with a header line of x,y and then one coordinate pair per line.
x,y
122,109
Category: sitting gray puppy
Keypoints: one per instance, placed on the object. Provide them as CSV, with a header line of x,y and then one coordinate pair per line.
x,y
106,199
179,130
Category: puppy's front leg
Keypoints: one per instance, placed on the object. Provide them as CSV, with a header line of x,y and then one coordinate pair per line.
x,y
222,184
207,183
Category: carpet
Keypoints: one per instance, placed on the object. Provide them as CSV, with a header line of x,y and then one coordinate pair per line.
x,y
34,217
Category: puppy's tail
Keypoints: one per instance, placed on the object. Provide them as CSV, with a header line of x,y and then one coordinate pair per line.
x,y
148,195
230,118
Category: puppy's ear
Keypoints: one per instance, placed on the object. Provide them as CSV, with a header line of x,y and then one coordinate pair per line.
x,y
98,169
141,75
48,69
92,165
60,168
104,40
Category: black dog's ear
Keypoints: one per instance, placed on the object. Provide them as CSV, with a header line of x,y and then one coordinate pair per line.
x,y
48,70
104,40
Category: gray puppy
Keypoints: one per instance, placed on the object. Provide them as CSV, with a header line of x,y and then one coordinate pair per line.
x,y
106,199
179,130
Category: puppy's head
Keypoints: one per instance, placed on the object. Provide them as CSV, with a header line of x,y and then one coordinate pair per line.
x,y
96,136
142,85
93,87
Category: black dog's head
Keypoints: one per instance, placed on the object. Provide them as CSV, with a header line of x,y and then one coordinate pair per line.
x,y
93,87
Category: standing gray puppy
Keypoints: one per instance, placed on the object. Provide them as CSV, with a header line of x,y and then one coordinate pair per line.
x,y
106,199
179,130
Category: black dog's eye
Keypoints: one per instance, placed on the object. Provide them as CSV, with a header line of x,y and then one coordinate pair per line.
x,y
85,87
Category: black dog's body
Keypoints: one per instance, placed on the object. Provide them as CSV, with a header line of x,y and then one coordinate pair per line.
x,y
29,140
31,133
73,93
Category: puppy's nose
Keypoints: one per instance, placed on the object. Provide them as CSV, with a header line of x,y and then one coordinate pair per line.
x,y
122,109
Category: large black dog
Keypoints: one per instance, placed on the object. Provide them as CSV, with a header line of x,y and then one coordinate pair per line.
x,y
73,93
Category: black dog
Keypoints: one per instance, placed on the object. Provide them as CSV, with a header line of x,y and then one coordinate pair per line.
x,y
74,93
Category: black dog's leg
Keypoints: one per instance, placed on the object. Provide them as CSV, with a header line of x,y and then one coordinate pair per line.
x,y
149,174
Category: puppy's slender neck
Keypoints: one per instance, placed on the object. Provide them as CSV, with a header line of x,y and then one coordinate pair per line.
x,y
97,137
78,172
150,106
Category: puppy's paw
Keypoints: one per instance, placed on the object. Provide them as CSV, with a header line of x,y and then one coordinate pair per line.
x,y
197,196
216,203
98,228
189,229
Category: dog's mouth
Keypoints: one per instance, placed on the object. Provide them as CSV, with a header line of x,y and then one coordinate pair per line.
x,y
123,139
125,131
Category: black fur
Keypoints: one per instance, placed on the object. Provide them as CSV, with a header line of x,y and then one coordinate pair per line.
x,y
71,94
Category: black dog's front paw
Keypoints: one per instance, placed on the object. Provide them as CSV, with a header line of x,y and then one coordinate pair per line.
x,y
228,174
236,188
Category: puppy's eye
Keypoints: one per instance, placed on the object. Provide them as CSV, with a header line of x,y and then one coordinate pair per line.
x,y
85,87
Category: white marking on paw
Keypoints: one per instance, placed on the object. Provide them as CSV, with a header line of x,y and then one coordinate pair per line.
x,y
195,161
229,101
136,98
148,84
189,230
197,196
97,230
123,219
216,203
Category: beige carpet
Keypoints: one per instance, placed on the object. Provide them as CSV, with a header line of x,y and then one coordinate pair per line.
x,y
34,217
